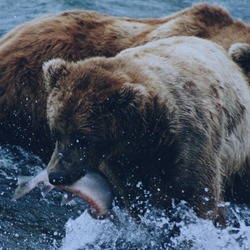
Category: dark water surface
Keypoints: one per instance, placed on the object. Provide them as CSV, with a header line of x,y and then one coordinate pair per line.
x,y
15,12
38,223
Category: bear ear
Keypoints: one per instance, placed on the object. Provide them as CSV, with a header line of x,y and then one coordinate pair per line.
x,y
132,94
53,71
240,53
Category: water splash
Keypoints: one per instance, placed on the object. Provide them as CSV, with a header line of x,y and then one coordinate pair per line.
x,y
181,229
38,223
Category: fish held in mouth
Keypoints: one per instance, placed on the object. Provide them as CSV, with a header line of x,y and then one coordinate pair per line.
x,y
93,187
96,190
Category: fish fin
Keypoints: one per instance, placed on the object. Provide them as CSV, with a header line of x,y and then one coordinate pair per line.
x,y
67,198
24,186
23,180
46,189
112,216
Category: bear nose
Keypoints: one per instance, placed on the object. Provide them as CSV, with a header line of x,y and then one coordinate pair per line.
x,y
58,178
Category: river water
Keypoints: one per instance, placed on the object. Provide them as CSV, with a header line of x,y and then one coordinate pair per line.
x,y
37,222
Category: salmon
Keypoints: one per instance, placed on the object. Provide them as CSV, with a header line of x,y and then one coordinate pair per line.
x,y
93,187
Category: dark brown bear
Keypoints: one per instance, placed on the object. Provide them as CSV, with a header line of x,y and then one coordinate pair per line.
x,y
157,125
72,35
76,35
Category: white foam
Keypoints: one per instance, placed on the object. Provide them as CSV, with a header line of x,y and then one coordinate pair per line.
x,y
155,232
87,233
204,235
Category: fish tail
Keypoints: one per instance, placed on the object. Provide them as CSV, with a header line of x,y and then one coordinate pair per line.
x,y
66,199
24,186
112,216
46,189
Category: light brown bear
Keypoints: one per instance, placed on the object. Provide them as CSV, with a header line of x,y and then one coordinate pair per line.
x,y
76,35
169,119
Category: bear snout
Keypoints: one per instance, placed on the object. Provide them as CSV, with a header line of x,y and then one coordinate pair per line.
x,y
62,172
65,166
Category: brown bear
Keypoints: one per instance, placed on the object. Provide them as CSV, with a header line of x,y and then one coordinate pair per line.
x,y
75,35
169,119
